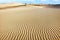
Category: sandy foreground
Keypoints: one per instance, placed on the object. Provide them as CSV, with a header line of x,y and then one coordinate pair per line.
x,y
30,23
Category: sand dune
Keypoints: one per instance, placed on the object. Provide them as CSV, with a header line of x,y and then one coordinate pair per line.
x,y
30,23
11,5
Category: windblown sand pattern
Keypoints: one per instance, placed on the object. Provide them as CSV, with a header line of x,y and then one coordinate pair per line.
x,y
31,23
32,32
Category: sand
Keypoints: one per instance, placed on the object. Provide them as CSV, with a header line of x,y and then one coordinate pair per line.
x,y
13,4
30,23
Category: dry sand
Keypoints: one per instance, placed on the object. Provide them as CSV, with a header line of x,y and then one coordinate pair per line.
x,y
8,5
30,23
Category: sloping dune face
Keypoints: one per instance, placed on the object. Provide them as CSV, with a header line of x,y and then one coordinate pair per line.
x,y
11,5
30,23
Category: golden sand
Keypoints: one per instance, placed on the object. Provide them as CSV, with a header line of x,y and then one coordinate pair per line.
x,y
30,23
11,5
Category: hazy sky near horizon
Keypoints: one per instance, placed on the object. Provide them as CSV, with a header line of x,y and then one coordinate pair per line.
x,y
33,1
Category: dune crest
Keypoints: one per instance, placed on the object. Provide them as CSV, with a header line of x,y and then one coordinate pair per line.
x,y
11,4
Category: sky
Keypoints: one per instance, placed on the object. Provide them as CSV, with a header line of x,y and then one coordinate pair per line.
x,y
32,1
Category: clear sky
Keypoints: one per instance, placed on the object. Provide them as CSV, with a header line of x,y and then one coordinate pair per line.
x,y
33,1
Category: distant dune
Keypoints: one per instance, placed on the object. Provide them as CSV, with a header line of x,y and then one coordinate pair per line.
x,y
15,4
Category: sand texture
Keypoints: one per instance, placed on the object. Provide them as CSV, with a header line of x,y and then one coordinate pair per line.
x,y
30,23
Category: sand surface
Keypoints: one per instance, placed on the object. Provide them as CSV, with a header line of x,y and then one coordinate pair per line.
x,y
8,5
30,23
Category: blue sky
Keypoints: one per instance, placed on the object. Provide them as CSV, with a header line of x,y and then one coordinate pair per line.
x,y
33,1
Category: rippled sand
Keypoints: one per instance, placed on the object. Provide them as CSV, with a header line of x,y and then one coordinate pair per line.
x,y
30,23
